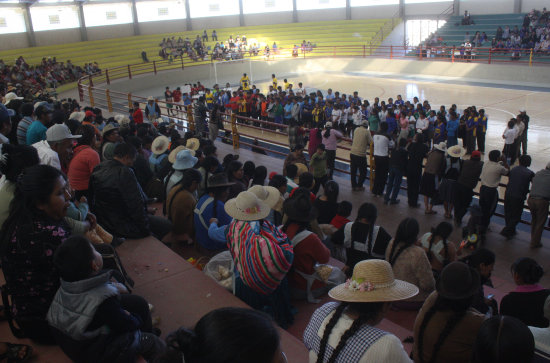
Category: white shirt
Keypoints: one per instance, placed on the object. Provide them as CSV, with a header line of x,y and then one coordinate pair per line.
x,y
422,124
509,135
542,339
46,155
300,91
336,116
382,116
357,118
382,145
519,129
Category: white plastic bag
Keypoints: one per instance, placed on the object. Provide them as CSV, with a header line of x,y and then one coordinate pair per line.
x,y
220,269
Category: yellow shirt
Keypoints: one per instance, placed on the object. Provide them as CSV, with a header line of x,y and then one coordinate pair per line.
x,y
287,85
209,97
242,105
245,83
274,82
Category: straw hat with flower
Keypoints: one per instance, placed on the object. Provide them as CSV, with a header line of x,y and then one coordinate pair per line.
x,y
173,153
270,195
193,143
456,151
160,145
373,281
247,207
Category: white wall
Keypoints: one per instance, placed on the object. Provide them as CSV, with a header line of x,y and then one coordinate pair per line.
x,y
477,7
215,22
13,41
528,5
428,8
374,12
112,31
321,15
268,18
160,27
54,37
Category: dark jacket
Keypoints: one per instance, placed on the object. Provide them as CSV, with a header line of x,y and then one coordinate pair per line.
x,y
118,200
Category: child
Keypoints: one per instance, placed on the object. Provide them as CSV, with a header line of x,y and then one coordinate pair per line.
x,y
342,214
90,319
318,167
509,137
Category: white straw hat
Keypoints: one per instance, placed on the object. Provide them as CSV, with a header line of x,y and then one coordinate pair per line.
x,y
456,151
270,195
373,281
173,153
193,143
160,145
442,146
247,207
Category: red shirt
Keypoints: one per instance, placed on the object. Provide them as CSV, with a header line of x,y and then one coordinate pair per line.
x,y
138,116
177,96
339,221
85,159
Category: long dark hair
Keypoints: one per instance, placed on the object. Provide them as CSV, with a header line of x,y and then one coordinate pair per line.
x,y
225,335
87,133
17,158
34,186
529,271
459,309
406,235
326,135
366,311
331,190
368,212
443,230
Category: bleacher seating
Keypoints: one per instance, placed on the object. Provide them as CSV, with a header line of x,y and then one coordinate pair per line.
x,y
121,51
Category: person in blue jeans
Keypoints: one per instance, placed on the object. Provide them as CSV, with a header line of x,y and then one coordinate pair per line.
x,y
398,164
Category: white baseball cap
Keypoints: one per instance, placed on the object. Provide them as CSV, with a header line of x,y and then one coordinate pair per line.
x,y
60,132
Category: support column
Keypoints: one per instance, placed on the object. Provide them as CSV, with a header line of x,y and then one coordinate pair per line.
x,y
135,18
294,11
83,31
188,24
348,9
28,24
241,13
517,6
401,8
456,7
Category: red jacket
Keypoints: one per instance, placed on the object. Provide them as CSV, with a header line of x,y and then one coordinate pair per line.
x,y
85,159
339,221
138,116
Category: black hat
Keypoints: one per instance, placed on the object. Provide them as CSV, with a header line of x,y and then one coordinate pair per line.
x,y
218,180
458,281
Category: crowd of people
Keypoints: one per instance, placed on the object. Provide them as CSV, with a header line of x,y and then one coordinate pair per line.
x,y
31,81
75,183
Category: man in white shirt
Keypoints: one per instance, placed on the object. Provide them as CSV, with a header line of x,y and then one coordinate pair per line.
x,y
520,128
382,146
57,149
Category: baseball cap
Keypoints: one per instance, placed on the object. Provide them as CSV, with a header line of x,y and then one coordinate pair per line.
x,y
44,104
60,132
522,109
11,96
5,113
89,114
476,154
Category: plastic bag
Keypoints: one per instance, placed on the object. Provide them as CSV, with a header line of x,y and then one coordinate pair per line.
x,y
220,269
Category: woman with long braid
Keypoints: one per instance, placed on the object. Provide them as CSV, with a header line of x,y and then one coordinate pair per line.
x,y
446,327
345,331
410,263
439,251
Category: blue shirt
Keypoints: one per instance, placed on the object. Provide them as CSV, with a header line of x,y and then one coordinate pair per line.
x,y
288,108
36,132
201,233
452,126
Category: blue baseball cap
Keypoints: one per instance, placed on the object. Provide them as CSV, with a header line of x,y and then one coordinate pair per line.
x,y
5,113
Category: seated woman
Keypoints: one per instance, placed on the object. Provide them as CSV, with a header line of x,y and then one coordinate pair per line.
x,y
181,159
28,239
344,331
362,239
446,327
526,302
84,160
262,256
227,335
308,249
327,204
276,215
440,252
410,263
235,175
483,261
209,214
180,204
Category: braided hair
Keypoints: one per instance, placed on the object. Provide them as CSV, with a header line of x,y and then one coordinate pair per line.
x,y
406,235
443,230
368,212
366,311
459,307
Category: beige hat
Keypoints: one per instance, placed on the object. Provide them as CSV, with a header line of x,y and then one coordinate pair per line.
x,y
150,98
78,116
270,195
160,145
108,128
442,146
173,153
122,120
11,96
373,281
302,168
247,207
456,151
193,143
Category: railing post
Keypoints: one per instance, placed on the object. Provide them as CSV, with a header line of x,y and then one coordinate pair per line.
x,y
190,120
109,102
333,51
420,51
234,131
372,165
107,76
531,58
181,61
490,54
80,92
155,66
130,103
391,51
90,81
364,50
129,72
453,54
91,96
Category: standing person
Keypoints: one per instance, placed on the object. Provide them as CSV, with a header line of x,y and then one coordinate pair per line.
x,y
491,173
516,191
509,136
465,184
199,113
215,122
318,167
481,130
520,128
362,139
169,99
398,166
525,118
137,115
262,255
410,263
152,110
446,327
330,140
471,130
452,129
538,204
344,331
382,145
176,95
315,138
434,170
417,152
295,134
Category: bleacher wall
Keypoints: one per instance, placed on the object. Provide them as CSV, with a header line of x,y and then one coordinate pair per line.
x,y
424,10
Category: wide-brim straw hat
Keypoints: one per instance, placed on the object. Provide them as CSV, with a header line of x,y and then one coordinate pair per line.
x,y
270,195
373,281
302,168
184,160
458,281
108,128
193,144
247,207
160,145
173,153
442,146
456,151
